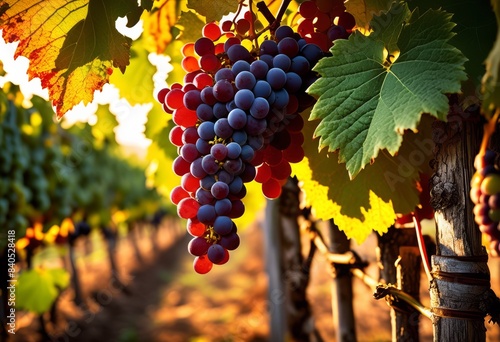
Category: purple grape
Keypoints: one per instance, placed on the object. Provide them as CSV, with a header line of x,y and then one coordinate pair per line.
x,y
237,118
269,47
223,129
240,137
283,32
230,241
220,110
282,62
216,253
223,91
224,74
206,214
259,69
204,196
203,146
198,246
293,82
189,152
233,150
244,99
206,130
239,66
220,190
196,169
223,206
276,78
219,151
245,80
262,89
204,112
300,65
210,164
223,225
259,108
237,53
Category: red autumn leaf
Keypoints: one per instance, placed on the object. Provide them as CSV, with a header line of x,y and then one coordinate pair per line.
x,y
72,46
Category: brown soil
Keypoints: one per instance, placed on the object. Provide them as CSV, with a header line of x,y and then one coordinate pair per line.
x,y
165,300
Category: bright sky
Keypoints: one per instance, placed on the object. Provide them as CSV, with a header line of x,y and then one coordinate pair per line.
x,y
131,120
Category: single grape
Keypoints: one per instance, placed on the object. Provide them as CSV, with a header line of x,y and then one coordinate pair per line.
x,y
202,264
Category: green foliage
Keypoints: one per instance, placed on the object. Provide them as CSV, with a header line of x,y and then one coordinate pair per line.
x,y
38,288
367,97
136,84
213,10
190,25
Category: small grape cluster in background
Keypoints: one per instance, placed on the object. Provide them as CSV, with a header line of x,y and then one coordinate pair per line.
x,y
485,194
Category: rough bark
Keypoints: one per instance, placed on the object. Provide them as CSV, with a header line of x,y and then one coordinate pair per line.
x,y
460,272
274,266
408,280
389,245
300,320
342,295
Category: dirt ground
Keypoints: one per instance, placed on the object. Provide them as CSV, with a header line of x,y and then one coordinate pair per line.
x,y
166,301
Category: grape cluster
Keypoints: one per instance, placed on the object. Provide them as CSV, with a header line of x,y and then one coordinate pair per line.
x,y
318,26
236,120
485,194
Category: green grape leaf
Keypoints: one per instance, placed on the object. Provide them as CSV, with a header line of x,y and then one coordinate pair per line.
x,y
491,79
364,10
213,10
368,98
38,288
190,25
379,192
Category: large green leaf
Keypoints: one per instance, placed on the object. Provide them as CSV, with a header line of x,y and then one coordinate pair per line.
x,y
491,79
38,288
379,192
367,97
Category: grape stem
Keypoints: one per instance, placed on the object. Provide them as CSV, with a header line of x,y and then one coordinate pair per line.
x,y
262,7
279,16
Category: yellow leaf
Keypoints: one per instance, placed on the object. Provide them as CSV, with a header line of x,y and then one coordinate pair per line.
x,y
158,24
72,46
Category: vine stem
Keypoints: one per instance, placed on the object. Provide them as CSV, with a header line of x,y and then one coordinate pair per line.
x,y
489,129
389,290
348,258
421,246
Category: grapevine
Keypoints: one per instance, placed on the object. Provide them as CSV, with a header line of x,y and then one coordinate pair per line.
x,y
237,118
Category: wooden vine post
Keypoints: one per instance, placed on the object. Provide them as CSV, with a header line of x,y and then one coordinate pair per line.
x,y
460,284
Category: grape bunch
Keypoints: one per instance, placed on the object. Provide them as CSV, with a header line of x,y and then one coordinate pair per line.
x,y
237,120
324,21
485,194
